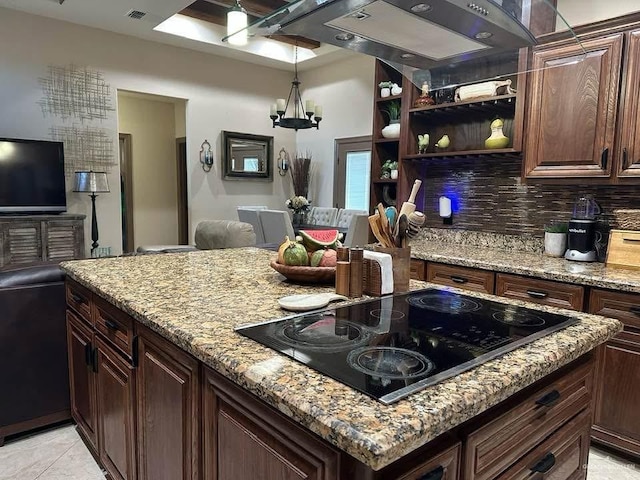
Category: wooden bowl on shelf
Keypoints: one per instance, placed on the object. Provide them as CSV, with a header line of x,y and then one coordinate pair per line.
x,y
305,274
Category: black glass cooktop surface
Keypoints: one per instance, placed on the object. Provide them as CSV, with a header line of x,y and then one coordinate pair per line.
x,y
393,346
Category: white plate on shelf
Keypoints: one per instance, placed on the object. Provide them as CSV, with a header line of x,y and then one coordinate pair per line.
x,y
305,302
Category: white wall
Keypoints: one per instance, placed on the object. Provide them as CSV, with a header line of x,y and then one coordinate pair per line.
x,y
579,12
222,94
345,90
151,124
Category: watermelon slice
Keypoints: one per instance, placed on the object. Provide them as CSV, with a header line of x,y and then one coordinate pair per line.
x,y
316,239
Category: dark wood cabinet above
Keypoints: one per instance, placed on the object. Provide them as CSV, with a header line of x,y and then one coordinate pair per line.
x,y
582,118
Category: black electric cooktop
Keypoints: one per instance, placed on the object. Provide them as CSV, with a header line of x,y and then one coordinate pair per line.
x,y
393,346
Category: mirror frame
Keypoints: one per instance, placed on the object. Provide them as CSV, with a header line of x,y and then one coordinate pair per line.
x,y
229,174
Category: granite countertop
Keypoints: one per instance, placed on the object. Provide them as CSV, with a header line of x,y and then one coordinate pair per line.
x,y
196,299
503,258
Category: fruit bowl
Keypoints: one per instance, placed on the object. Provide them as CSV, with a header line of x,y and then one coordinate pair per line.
x,y
305,274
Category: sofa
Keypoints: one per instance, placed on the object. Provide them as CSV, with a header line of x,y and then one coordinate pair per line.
x,y
33,349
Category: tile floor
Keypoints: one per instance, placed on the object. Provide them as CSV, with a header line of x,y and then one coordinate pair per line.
x,y
59,454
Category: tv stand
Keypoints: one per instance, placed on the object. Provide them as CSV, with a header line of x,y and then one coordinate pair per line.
x,y
29,239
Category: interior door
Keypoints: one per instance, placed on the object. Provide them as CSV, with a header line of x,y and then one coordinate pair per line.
x,y
352,173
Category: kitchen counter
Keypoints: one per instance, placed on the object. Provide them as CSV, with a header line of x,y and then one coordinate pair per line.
x,y
504,258
196,299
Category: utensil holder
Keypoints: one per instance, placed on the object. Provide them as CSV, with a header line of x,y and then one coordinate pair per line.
x,y
401,258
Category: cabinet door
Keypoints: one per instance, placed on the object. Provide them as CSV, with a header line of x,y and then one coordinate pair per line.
x,y
629,157
616,420
572,109
82,381
168,394
116,413
244,438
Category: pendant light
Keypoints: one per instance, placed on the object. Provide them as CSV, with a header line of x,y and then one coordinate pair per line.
x,y
237,22
300,110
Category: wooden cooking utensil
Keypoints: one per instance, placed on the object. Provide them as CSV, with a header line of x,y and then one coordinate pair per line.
x,y
384,226
409,206
375,228
401,233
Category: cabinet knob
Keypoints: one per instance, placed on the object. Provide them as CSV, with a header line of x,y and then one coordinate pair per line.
x,y
545,464
436,474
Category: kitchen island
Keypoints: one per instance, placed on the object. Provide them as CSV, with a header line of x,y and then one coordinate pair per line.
x,y
126,313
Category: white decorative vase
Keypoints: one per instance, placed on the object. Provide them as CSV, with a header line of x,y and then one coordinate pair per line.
x,y
394,174
555,244
385,92
392,130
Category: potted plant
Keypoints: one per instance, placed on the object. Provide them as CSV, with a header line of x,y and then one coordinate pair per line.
x,y
555,239
387,169
385,89
393,112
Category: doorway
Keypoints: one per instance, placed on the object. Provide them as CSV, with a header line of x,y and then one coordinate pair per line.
x,y
153,170
352,173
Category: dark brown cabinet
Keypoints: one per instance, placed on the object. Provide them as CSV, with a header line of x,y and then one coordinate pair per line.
x,y
82,378
115,387
583,117
238,426
543,292
616,420
168,394
572,109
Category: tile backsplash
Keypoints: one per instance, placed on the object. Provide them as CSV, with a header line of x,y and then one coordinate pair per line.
x,y
488,196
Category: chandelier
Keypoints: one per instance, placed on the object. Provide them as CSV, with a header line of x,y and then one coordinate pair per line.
x,y
300,110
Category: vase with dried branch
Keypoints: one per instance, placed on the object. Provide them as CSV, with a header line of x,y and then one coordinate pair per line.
x,y
301,174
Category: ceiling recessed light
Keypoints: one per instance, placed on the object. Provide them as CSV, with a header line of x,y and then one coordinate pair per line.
x,y
483,35
345,37
420,8
407,55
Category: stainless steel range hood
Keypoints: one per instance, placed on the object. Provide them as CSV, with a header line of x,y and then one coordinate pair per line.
x,y
408,32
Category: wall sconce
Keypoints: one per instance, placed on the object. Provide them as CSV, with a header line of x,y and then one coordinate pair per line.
x,y
283,162
206,156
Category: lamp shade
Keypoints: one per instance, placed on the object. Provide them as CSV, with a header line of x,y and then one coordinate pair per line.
x,y
237,22
91,182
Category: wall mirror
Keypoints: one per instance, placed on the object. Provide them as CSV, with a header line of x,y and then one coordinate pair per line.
x,y
246,156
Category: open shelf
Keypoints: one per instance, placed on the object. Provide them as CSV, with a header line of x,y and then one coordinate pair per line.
x,y
384,180
497,104
388,99
496,152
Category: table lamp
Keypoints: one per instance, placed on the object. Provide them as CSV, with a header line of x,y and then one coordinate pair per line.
x,y
92,182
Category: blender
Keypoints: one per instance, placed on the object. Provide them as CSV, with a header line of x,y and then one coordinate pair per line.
x,y
582,230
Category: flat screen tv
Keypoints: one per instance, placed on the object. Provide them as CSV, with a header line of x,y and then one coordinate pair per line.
x,y
31,176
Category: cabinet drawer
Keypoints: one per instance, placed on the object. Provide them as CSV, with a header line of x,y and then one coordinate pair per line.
x,y
114,325
493,447
562,456
418,268
444,466
79,299
544,292
461,277
621,306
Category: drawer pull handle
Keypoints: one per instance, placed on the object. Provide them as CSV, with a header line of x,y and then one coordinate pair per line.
x,y
535,294
77,298
549,399
88,354
111,325
635,309
436,474
604,159
544,465
624,159
459,279
631,240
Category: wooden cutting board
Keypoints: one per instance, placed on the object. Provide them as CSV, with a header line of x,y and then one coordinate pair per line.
x,y
624,249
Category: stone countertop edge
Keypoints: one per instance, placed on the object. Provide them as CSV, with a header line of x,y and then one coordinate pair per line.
x,y
374,433
537,265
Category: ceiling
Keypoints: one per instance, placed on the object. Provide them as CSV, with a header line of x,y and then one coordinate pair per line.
x,y
195,25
